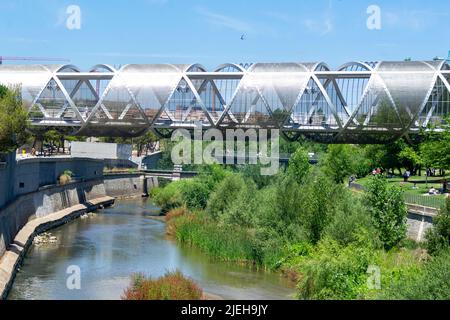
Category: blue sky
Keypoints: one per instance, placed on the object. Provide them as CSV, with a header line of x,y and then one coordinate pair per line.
x,y
209,32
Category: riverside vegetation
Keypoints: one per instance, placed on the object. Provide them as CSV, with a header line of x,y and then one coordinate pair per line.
x,y
306,224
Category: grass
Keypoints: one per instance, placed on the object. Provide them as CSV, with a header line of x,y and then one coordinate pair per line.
x,y
172,286
225,243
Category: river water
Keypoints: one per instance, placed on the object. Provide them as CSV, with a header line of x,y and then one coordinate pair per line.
x,y
119,241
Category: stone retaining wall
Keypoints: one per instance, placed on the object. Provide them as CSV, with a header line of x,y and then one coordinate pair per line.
x,y
55,198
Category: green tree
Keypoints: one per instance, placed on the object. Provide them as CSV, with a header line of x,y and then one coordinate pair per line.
x,y
340,162
299,165
13,120
435,150
410,158
388,211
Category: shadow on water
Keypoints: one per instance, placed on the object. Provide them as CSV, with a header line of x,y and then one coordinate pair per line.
x,y
119,241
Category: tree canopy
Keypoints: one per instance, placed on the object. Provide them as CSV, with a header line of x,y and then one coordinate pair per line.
x,y
13,120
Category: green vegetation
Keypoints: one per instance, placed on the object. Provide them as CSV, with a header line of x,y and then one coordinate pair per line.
x,y
438,238
172,286
388,211
13,120
305,223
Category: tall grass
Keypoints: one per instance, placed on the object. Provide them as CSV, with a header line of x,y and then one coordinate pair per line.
x,y
225,243
172,286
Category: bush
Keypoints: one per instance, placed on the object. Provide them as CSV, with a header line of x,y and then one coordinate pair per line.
x,y
349,218
64,179
438,237
388,211
194,193
169,197
334,272
226,193
172,286
431,282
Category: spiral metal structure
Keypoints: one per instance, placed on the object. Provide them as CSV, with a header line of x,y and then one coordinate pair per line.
x,y
360,102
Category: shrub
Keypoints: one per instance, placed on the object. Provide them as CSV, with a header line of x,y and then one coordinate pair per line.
x,y
430,282
169,197
334,272
172,286
194,194
227,192
388,211
438,237
348,219
64,179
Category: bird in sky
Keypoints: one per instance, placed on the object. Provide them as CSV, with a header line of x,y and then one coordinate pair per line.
x,y
243,37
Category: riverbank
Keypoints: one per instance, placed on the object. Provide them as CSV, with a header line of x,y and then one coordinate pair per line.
x,y
49,206
123,240
13,257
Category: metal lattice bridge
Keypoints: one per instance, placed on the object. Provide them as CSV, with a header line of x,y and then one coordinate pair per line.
x,y
359,103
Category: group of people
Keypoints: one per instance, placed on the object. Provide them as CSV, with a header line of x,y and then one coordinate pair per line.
x,y
376,171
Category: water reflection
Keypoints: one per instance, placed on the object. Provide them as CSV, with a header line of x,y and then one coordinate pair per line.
x,y
122,240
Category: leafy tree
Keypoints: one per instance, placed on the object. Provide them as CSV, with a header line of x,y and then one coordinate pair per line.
x,y
438,237
340,161
388,211
435,150
409,158
13,120
299,165
145,143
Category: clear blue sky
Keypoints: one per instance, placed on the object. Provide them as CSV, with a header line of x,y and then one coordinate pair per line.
x,y
209,32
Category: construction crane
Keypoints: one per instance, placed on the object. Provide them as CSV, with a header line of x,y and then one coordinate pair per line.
x,y
3,58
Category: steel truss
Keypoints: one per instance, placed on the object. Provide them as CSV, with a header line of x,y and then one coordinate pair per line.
x,y
359,103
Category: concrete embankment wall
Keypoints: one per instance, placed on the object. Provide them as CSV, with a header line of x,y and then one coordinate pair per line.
x,y
28,189
28,175
55,198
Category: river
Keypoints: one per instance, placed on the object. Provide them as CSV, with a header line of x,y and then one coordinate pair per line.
x,y
116,242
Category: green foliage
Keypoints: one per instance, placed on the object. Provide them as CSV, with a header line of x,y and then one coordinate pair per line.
x,y
227,192
333,271
299,165
429,282
339,161
388,211
13,120
318,199
349,220
438,237
409,158
190,193
253,172
227,243
435,150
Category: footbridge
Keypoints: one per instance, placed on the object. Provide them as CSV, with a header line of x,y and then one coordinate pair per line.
x,y
360,102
